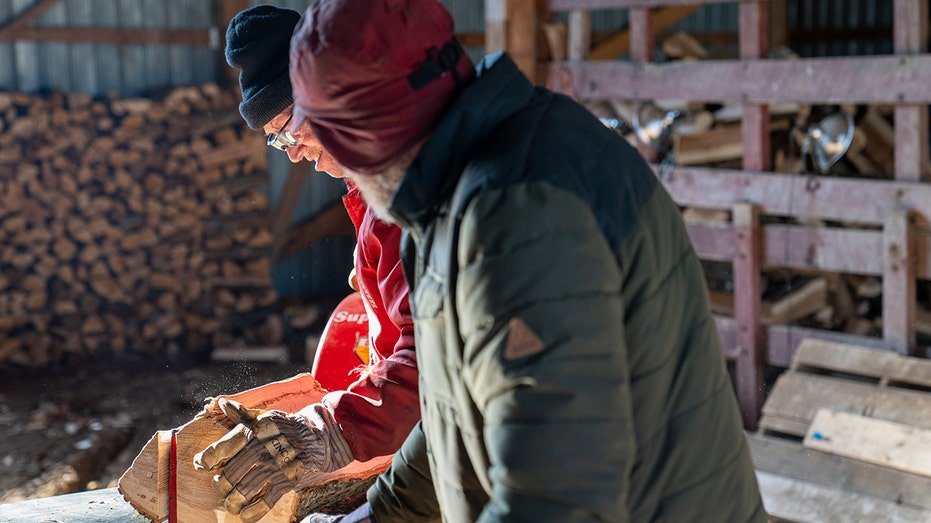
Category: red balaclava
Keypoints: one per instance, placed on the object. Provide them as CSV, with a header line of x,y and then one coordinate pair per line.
x,y
373,77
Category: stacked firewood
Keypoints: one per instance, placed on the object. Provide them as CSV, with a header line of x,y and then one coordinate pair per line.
x,y
131,224
709,135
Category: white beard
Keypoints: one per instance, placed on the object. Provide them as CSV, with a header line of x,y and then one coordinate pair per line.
x,y
379,189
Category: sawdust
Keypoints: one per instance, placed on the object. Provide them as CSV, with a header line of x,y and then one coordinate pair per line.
x,y
75,429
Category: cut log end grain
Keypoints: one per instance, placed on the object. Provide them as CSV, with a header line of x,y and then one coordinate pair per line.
x,y
146,483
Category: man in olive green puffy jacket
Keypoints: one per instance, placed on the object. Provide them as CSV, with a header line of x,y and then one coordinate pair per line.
x,y
570,369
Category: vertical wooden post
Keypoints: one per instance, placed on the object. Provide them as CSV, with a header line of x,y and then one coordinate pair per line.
x,y
751,353
511,26
778,23
754,43
580,34
496,14
522,36
287,203
899,283
640,20
224,11
910,35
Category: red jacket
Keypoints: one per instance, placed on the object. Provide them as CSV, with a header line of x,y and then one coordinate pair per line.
x,y
378,410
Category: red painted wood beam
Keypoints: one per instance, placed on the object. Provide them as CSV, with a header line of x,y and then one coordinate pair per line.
x,y
566,5
899,282
782,340
748,307
858,200
641,52
910,36
874,79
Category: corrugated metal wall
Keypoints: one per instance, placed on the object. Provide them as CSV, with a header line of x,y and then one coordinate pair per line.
x,y
840,27
31,66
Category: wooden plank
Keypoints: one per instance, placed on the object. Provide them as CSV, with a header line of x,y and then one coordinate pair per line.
x,y
753,33
278,354
830,198
888,367
790,459
94,506
899,282
783,340
807,300
911,142
225,12
778,23
910,35
756,143
522,36
328,223
714,145
640,21
287,203
747,304
797,396
805,502
495,26
565,5
894,445
841,357
866,80
29,14
580,35
618,44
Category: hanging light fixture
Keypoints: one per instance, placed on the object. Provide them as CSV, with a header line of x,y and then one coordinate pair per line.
x,y
654,126
826,141
619,125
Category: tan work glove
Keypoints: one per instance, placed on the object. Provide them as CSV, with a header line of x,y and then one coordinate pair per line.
x,y
269,453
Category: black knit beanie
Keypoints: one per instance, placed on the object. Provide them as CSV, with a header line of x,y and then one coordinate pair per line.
x,y
257,41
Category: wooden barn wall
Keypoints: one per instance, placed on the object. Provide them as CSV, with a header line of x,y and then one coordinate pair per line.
x,y
843,53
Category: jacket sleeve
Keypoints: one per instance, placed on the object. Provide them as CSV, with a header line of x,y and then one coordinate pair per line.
x,y
545,360
404,493
378,410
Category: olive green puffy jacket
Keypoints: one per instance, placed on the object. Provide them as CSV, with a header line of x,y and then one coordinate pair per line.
x,y
570,369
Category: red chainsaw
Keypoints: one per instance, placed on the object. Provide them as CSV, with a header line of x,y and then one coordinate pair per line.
x,y
344,345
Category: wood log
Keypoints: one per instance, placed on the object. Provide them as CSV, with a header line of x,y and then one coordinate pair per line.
x,y
167,458
718,144
104,205
681,45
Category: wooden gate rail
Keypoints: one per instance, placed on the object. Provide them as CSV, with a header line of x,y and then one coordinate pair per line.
x,y
892,216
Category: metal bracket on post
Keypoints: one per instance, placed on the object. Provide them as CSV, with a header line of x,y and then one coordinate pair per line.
x,y
751,352
898,298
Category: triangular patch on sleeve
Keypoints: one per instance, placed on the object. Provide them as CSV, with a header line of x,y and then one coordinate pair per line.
x,y
522,341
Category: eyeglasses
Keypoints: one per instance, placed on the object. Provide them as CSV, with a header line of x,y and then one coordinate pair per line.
x,y
283,138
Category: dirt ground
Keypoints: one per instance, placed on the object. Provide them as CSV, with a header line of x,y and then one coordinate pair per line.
x,y
75,429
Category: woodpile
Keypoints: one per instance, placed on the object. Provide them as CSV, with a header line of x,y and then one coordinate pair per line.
x,y
134,224
710,134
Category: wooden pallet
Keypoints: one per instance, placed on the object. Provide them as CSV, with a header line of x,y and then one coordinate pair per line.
x,y
839,377
845,435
